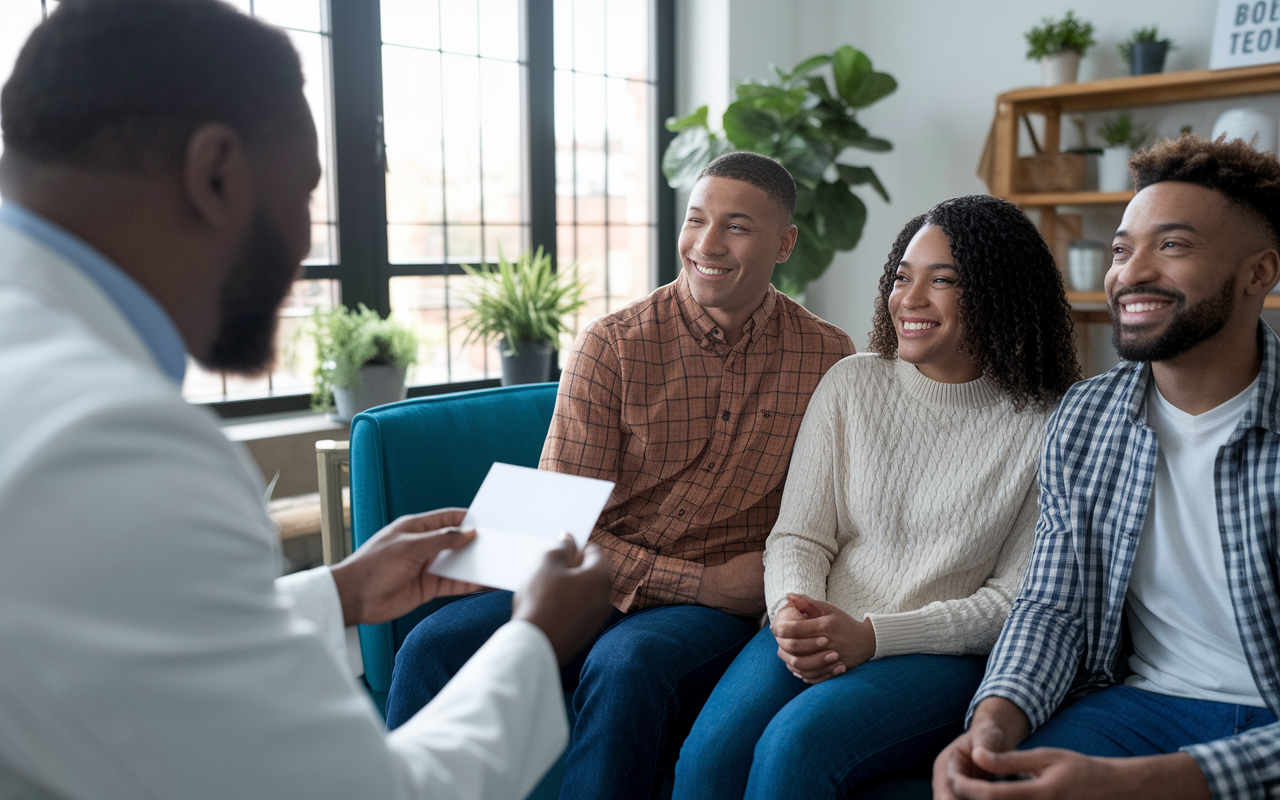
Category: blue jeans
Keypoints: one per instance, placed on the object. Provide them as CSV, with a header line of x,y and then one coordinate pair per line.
x,y
1124,721
636,688
764,733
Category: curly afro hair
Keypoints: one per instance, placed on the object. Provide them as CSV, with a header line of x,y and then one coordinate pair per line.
x,y
1014,314
1250,179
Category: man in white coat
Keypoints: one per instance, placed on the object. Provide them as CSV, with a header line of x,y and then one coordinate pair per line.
x,y
158,160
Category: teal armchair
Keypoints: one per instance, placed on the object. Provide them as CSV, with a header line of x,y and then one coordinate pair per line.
x,y
427,453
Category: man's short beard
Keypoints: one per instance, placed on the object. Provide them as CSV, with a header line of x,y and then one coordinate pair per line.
x,y
1188,326
250,303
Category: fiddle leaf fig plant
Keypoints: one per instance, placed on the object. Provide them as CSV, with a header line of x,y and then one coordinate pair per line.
x,y
806,124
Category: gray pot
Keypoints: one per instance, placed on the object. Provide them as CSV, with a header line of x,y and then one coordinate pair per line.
x,y
379,384
531,365
1146,58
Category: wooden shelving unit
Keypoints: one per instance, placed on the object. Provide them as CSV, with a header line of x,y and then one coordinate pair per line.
x,y
1140,90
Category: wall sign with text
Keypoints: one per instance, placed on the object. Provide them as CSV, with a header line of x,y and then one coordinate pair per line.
x,y
1247,32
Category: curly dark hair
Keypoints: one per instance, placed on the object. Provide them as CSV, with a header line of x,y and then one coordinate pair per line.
x,y
1249,178
1014,314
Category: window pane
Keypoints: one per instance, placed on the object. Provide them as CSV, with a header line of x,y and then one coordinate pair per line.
x,y
301,14
459,23
313,50
19,17
564,146
589,107
464,244
630,169
500,33
627,39
502,138
630,275
513,240
295,347
413,130
421,302
415,244
461,89
562,20
588,36
415,23
590,260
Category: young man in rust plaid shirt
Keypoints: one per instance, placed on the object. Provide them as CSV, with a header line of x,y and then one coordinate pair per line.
x,y
690,401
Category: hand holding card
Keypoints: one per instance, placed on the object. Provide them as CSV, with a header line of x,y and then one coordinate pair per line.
x,y
518,515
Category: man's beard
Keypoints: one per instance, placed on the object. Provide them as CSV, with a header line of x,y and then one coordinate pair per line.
x,y
255,287
1187,327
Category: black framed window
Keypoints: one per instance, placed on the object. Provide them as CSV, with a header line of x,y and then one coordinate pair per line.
x,y
448,129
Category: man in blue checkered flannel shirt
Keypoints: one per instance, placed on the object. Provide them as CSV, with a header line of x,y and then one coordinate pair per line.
x,y
1142,655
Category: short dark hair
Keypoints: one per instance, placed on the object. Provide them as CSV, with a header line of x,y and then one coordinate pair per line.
x,y
1249,178
1014,313
761,172
122,84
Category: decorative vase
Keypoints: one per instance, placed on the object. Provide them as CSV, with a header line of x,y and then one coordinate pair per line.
x,y
532,364
1113,170
1255,126
1060,67
1086,265
1146,58
379,384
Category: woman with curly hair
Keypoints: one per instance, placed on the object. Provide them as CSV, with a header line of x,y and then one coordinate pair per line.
x,y
906,522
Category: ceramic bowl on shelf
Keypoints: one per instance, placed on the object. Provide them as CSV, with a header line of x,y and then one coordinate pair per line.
x,y
1253,125
1087,264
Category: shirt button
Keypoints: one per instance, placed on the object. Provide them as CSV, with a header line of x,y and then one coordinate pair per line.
x,y
725,416
716,331
711,465
680,513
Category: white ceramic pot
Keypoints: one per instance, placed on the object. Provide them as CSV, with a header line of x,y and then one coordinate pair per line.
x,y
1061,67
1113,170
1087,265
379,384
1251,124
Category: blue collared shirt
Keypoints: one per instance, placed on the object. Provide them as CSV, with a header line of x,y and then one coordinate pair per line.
x,y
1063,638
147,316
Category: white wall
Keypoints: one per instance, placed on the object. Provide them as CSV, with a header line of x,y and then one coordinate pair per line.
x,y
951,59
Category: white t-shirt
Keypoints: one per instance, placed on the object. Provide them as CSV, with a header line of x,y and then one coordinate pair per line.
x,y
1185,639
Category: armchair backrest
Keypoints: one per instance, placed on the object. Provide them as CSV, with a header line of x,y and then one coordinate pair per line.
x,y
427,453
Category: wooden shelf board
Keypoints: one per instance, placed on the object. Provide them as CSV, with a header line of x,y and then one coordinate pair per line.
x,y
1164,87
1071,198
1100,299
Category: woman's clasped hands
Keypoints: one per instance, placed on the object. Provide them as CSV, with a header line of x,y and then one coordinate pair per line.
x,y
818,641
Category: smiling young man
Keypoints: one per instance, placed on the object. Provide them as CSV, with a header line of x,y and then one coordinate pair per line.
x,y
1144,647
690,401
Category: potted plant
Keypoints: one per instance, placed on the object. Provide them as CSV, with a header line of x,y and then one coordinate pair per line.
x,y
1058,46
799,120
524,304
361,360
1122,137
1145,50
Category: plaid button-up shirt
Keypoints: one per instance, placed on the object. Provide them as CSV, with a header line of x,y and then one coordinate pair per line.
x,y
696,433
1063,638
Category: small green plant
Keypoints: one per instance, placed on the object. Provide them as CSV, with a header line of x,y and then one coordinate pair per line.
x,y
347,340
806,124
1151,34
521,301
1122,132
1051,37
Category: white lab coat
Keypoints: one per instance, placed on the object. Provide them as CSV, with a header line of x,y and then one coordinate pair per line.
x,y
146,649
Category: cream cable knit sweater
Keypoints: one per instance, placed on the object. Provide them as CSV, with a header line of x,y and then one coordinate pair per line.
x,y
911,502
